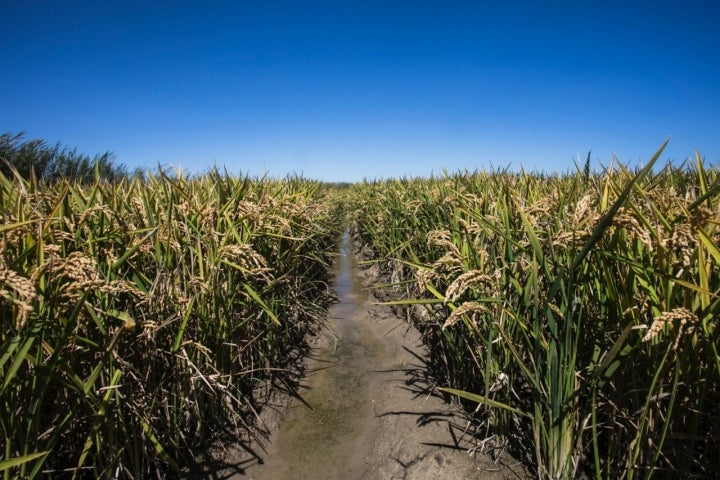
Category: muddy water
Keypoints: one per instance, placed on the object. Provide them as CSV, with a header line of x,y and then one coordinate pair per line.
x,y
327,433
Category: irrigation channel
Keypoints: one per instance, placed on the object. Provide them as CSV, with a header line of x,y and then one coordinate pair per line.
x,y
364,410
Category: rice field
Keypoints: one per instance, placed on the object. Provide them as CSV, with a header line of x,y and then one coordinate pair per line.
x,y
574,315
142,319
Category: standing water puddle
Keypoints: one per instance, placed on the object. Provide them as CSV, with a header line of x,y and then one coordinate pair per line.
x,y
326,434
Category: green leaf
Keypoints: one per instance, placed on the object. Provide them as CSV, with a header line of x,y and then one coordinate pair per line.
x,y
412,301
260,302
157,445
709,244
473,397
14,462
133,248
183,325
21,356
11,226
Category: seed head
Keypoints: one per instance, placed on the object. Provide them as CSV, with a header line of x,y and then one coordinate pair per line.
x,y
465,308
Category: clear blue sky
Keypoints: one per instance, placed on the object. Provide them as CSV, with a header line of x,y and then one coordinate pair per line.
x,y
352,90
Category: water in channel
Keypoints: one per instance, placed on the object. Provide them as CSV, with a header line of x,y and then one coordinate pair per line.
x,y
327,434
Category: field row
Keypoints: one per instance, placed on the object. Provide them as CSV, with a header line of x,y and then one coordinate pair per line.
x,y
142,318
576,314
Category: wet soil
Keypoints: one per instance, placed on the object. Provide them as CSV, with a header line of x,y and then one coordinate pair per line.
x,y
365,409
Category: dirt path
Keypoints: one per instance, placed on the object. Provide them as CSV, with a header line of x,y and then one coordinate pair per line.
x,y
364,410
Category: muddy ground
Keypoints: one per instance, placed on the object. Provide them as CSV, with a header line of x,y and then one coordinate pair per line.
x,y
365,408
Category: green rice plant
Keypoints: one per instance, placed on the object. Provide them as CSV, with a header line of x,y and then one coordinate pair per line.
x,y
143,318
578,312
672,274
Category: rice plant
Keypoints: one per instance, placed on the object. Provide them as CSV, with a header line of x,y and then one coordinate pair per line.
x,y
143,318
578,312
